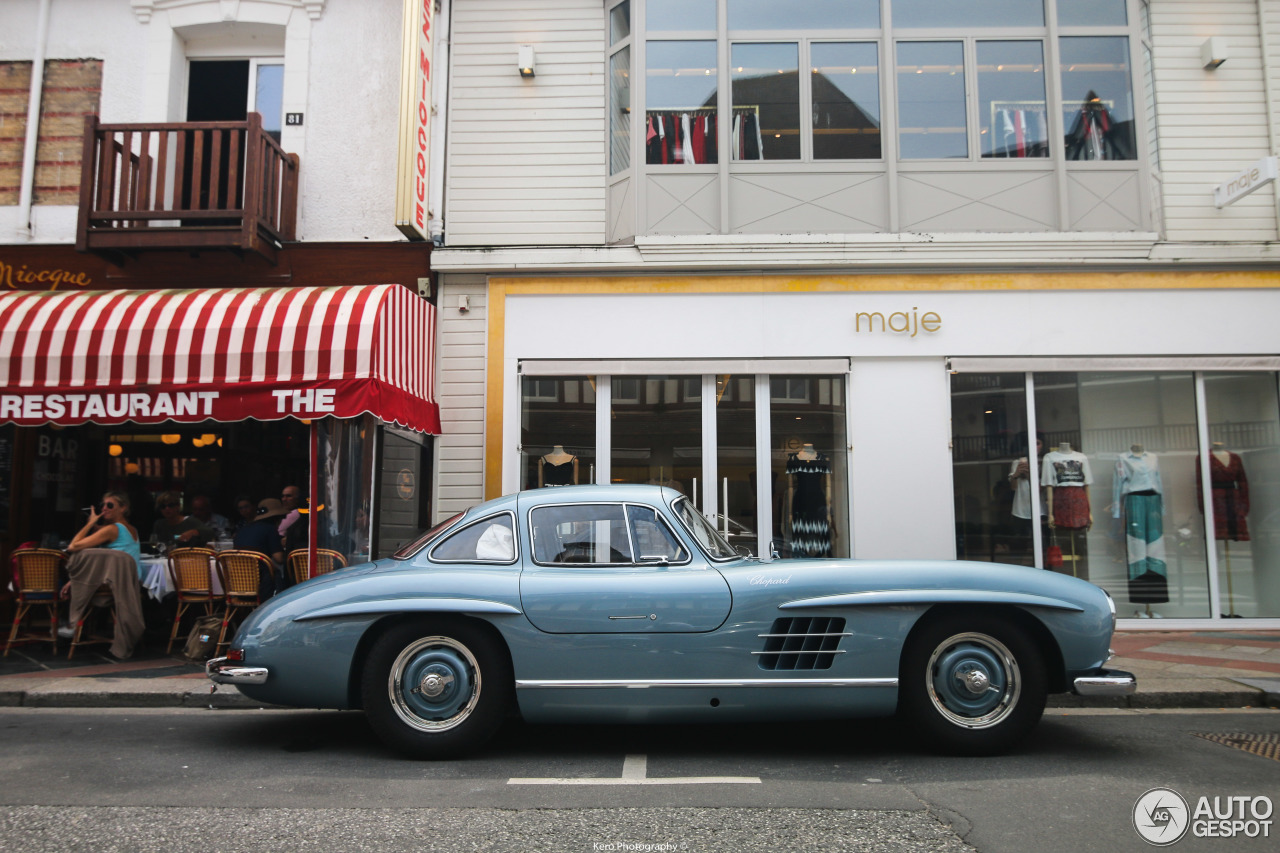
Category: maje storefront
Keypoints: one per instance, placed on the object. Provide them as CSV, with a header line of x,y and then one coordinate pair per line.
x,y
886,416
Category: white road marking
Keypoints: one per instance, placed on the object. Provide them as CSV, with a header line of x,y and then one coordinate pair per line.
x,y
635,772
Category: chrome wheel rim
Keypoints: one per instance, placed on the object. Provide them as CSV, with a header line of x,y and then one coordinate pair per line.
x,y
434,684
973,680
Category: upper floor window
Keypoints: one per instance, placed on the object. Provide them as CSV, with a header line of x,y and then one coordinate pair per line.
x,y
807,82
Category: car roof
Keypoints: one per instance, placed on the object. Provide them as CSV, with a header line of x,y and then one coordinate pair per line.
x,y
614,492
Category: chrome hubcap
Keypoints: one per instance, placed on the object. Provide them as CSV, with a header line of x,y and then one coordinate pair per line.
x,y
973,680
434,684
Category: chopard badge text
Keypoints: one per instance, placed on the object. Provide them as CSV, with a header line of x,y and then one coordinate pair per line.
x,y
761,580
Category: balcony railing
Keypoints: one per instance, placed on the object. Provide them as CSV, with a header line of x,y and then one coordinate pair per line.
x,y
185,185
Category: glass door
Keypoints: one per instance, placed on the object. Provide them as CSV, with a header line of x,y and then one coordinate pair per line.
x,y
656,425
735,412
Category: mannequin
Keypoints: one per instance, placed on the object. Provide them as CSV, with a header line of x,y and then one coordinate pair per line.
x,y
1138,495
558,468
1230,506
1066,476
809,492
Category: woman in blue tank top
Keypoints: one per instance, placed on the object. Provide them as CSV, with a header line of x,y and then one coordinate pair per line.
x,y
109,528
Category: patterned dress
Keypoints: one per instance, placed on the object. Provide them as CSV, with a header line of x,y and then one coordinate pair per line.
x,y
810,529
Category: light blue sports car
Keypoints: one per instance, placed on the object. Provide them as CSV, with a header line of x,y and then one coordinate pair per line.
x,y
623,604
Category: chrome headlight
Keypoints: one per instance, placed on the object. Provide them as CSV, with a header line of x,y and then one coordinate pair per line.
x,y
1111,604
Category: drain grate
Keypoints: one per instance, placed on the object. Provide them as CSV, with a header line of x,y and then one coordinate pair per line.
x,y
1266,745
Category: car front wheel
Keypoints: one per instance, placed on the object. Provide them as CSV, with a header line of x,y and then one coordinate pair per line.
x,y
436,690
974,686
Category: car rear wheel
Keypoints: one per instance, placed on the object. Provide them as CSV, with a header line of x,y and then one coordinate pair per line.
x,y
974,685
436,690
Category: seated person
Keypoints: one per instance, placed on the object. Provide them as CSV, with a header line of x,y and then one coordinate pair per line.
x,y
262,536
109,527
175,530
106,540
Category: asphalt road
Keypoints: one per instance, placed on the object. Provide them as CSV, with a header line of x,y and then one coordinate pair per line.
x,y
198,780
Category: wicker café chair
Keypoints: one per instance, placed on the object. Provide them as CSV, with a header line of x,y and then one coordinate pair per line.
x,y
36,572
326,561
241,574
191,570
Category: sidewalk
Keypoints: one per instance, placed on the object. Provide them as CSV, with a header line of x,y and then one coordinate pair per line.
x,y
1175,669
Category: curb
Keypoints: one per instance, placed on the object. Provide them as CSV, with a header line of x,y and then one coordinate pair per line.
x,y
72,693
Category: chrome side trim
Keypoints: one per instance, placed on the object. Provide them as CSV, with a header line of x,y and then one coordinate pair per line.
x,y
534,684
223,671
1107,683
377,607
812,652
892,597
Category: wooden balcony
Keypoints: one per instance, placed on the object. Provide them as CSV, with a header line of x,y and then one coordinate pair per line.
x,y
185,185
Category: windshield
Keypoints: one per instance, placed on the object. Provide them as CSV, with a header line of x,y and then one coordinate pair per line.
x,y
416,545
707,537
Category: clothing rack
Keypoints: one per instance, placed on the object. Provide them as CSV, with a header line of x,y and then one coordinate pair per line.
x,y
668,142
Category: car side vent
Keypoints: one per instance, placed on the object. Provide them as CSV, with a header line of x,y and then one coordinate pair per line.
x,y
807,642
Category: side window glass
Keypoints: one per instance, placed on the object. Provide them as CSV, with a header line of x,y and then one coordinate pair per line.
x,y
491,541
652,538
594,534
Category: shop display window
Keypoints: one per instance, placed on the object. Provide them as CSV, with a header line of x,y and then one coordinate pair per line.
x,y
809,466
845,89
764,458
931,93
968,13
1244,473
773,15
1012,120
833,112
557,431
656,434
1120,484
1086,13
1097,98
620,112
766,101
991,468
681,116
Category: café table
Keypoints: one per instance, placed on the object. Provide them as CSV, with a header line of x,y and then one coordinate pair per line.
x,y
153,573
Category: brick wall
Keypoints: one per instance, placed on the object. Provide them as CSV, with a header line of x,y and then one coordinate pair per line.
x,y
72,88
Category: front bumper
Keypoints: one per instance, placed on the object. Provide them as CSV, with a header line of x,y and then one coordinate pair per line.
x,y
224,671
1106,683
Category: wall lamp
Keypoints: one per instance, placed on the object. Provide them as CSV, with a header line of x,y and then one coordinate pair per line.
x,y
1213,52
526,61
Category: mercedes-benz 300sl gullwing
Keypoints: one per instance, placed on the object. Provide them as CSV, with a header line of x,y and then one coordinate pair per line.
x,y
623,604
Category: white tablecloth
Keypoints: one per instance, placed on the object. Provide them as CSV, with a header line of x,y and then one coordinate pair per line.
x,y
153,572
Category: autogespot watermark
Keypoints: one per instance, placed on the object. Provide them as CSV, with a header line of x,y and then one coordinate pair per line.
x,y
638,846
1162,816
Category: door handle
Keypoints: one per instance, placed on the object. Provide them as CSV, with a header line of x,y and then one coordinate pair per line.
x,y
651,617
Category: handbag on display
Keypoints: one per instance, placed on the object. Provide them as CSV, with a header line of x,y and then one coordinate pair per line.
x,y
1053,554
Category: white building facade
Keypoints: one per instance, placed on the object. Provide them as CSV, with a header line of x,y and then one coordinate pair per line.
x,y
221,165
831,267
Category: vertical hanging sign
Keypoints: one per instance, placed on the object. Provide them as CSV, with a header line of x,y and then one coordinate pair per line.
x,y
415,117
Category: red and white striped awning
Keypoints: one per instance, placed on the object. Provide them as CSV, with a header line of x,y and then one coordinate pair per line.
x,y
152,356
